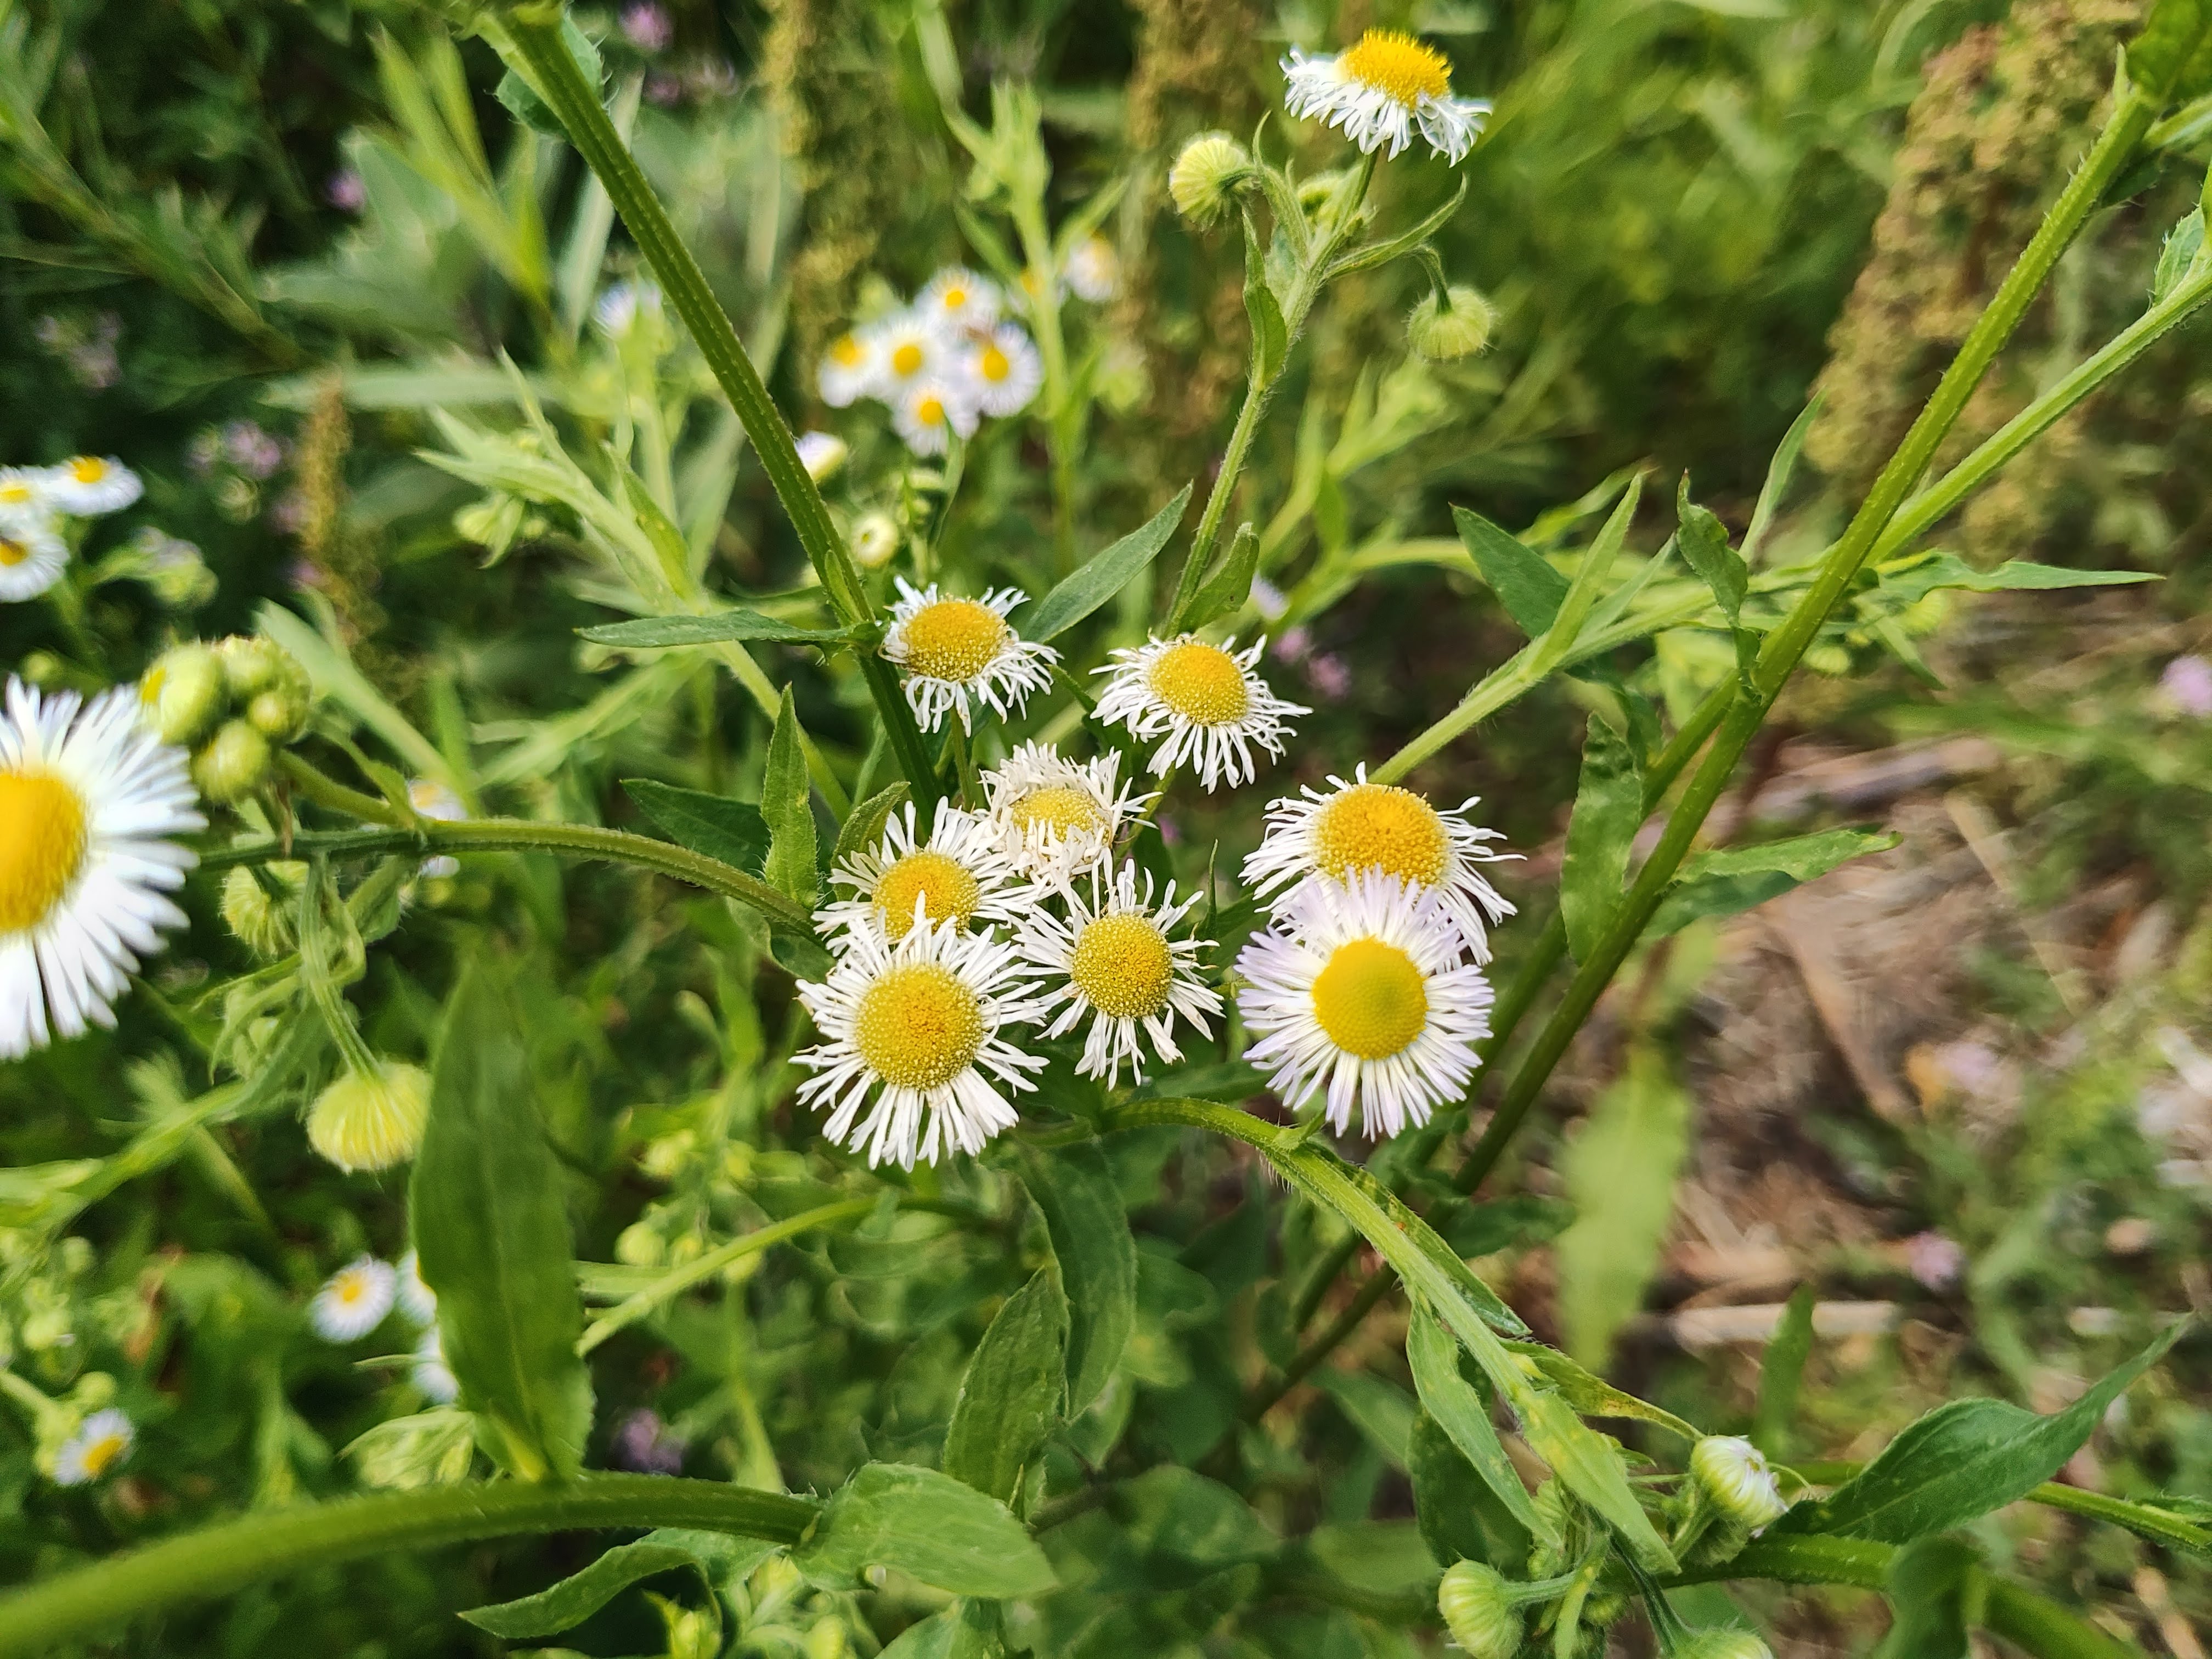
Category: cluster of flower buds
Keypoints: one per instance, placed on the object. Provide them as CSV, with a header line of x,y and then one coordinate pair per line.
x,y
233,704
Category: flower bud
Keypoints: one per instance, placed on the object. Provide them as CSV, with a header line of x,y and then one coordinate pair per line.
x,y
1455,324
280,714
821,453
1723,1644
262,924
371,1122
875,538
1207,176
234,764
183,693
1734,1479
252,664
1477,1606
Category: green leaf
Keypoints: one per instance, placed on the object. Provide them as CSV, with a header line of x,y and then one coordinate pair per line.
x,y
1583,592
1228,587
1704,544
654,633
927,1525
1963,1460
1460,1517
1464,1416
1780,468
1475,1230
522,99
732,831
1271,339
1618,1172
1526,584
1010,1393
1594,1396
959,1632
1376,254
1103,574
788,806
577,1597
1728,881
2180,251
1608,812
1931,1588
1378,1408
1089,1233
2171,59
864,825
1179,1512
1781,1370
492,1237
1909,580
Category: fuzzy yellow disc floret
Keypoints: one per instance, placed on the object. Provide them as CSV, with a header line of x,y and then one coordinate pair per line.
x,y
1399,65
1122,965
918,1027
1378,826
946,890
954,639
1200,682
1371,998
1061,808
42,849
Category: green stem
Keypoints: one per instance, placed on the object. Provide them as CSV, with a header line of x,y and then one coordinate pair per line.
x,y
219,1559
521,836
329,793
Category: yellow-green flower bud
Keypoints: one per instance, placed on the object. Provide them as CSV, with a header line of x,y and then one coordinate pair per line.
x,y
1734,1477
1207,176
875,540
280,714
234,763
262,924
371,1122
183,693
825,1639
1723,1644
1476,1605
252,664
1455,324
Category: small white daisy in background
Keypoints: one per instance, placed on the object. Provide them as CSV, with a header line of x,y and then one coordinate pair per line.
x,y
417,1300
90,799
1206,699
1379,826
821,453
617,311
930,413
1037,292
957,298
875,540
87,485
23,489
1056,818
1002,370
1379,90
33,554
850,369
1360,991
910,1032
911,353
433,799
1094,270
1113,958
102,1441
354,1300
430,1374
955,877
957,653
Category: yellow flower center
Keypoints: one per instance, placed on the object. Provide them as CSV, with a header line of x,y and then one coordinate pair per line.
x,y
955,297
993,364
1200,682
13,552
352,1288
1377,826
43,849
1059,807
1398,65
1371,998
847,351
1122,965
918,1027
943,886
906,359
954,639
150,688
930,411
101,1455
15,493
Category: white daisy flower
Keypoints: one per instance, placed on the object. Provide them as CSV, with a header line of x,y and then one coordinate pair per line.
x,y
1206,698
1360,989
87,485
821,453
101,1441
433,799
618,309
955,877
1094,270
431,1375
417,1300
1112,959
929,413
852,368
957,298
33,554
911,352
960,651
1002,370
1378,826
24,490
910,1029
89,797
1056,818
1383,88
354,1300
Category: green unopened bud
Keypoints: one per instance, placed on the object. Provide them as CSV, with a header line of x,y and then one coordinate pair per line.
x,y
234,763
1723,1644
371,1122
1207,176
825,1639
261,923
1734,1477
252,664
1455,324
494,522
184,693
280,714
875,538
1476,1605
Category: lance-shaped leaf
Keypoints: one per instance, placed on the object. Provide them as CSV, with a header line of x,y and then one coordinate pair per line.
x,y
1618,1172
1782,1371
925,1524
655,633
2171,59
1728,882
1464,1416
1010,1393
1228,587
788,807
1704,544
1589,585
1907,581
1459,1518
1089,1233
1781,466
732,831
1375,254
1526,584
1271,339
1608,811
1104,574
864,825
716,1556
492,1237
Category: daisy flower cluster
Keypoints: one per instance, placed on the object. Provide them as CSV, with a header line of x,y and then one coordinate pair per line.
x,y
35,503
941,364
358,1298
